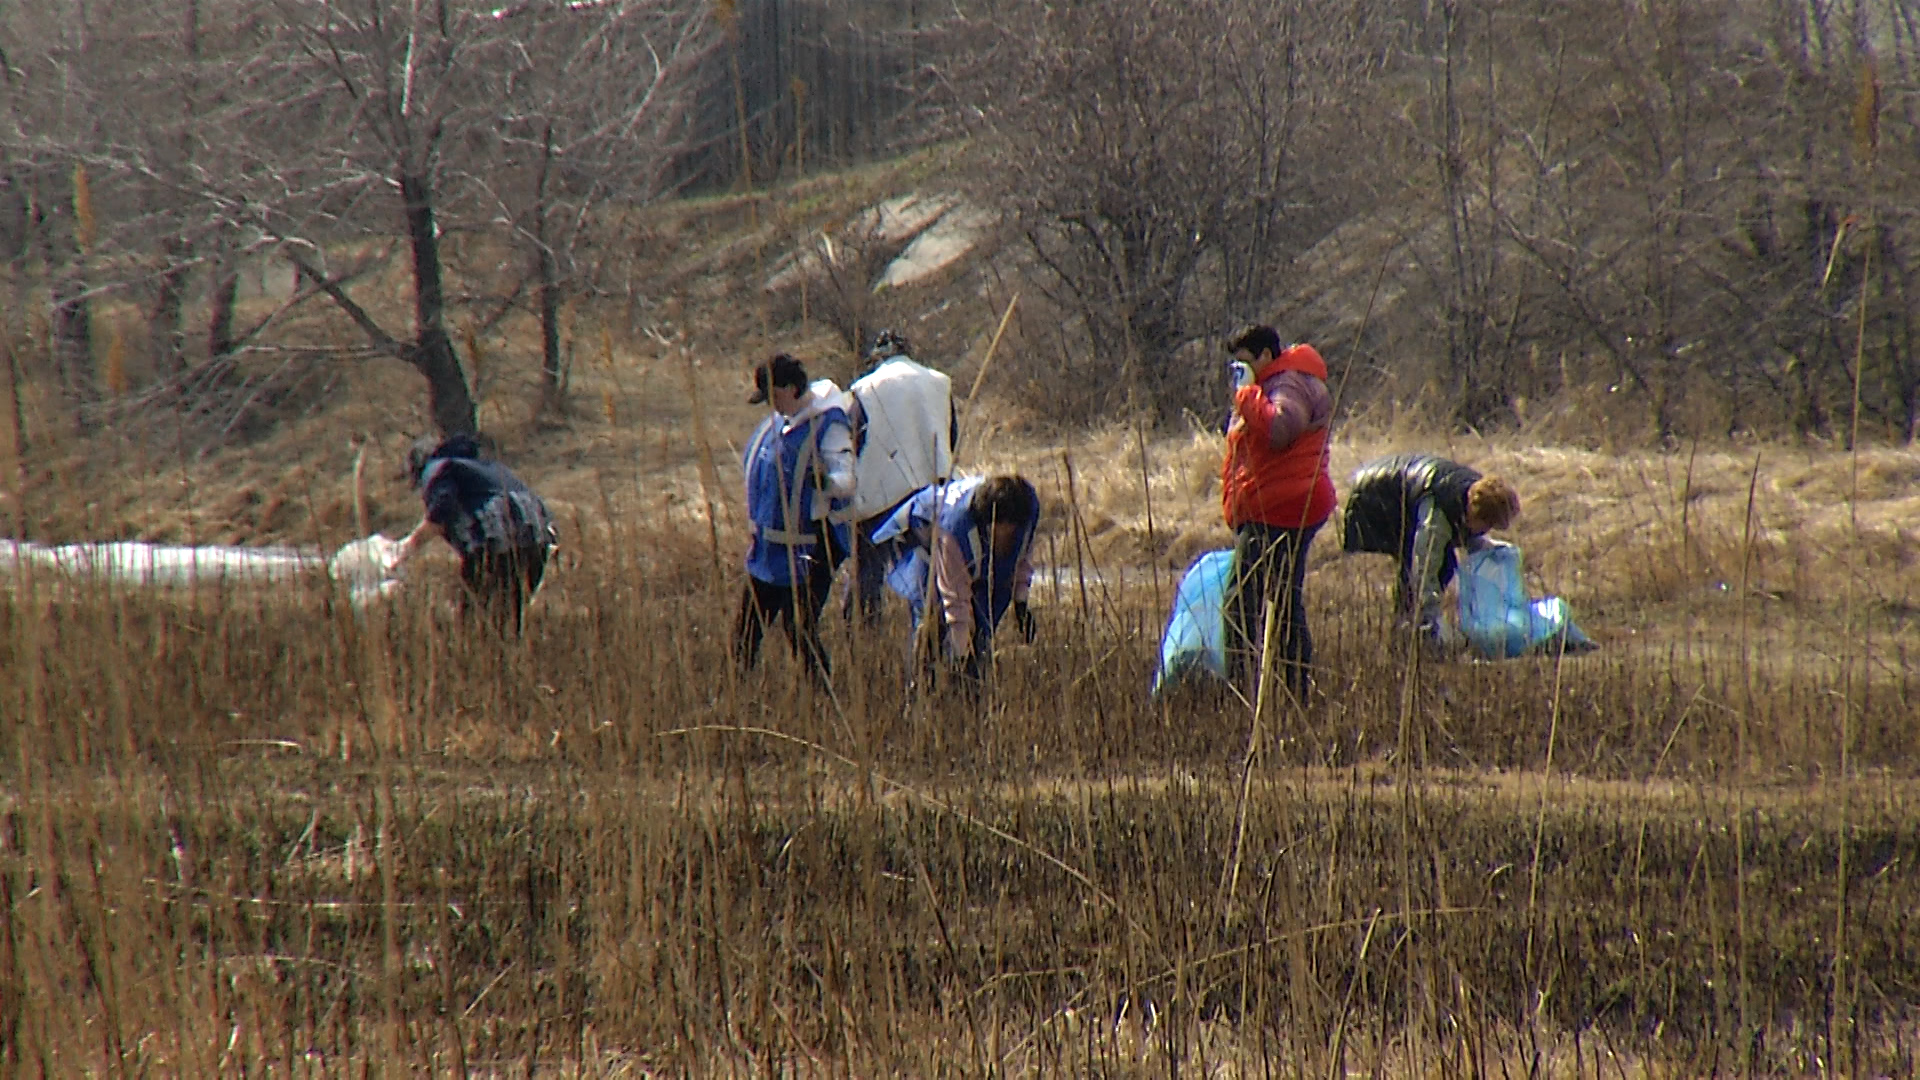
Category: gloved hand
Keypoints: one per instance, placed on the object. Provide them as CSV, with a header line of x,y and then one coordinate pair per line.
x,y
1429,622
1436,637
1023,619
1241,373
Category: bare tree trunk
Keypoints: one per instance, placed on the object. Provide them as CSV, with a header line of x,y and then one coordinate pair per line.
x,y
448,398
17,420
72,332
547,271
1477,399
549,300
15,220
164,325
70,314
226,288
1900,336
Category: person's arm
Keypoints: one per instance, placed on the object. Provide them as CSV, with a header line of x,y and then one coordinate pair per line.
x,y
1431,536
1023,618
954,588
1287,407
421,533
1023,576
837,458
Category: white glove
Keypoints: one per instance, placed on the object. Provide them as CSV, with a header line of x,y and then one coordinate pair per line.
x,y
1242,374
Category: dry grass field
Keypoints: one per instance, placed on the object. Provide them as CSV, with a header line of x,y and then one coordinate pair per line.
x,y
255,832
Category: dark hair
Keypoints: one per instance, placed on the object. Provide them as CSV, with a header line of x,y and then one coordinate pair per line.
x,y
1256,340
1005,498
428,448
778,370
889,343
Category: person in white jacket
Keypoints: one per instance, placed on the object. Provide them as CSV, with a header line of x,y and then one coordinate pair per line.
x,y
905,429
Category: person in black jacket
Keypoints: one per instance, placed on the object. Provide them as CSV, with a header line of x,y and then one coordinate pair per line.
x,y
1423,509
501,529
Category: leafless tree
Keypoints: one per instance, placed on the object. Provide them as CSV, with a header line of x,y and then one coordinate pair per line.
x,y
592,107
1165,159
412,122
46,61
1664,187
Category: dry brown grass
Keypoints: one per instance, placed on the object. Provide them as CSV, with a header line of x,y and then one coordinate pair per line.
x,y
254,833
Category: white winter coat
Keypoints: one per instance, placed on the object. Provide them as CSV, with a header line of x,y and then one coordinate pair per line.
x,y
909,410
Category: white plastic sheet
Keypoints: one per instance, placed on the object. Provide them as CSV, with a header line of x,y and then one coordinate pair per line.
x,y
365,567
138,563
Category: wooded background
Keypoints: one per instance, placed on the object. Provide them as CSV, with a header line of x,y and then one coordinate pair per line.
x,y
1702,209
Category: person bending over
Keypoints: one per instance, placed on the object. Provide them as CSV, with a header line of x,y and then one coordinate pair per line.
x,y
1424,510
501,529
971,563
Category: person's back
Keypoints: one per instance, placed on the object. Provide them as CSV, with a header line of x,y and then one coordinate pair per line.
x,y
1421,509
903,433
1383,500
501,529
483,506
905,430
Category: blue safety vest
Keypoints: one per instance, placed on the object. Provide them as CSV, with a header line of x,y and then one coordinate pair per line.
x,y
952,505
779,464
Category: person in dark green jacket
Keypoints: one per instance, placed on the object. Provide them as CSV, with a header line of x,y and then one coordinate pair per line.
x,y
1423,510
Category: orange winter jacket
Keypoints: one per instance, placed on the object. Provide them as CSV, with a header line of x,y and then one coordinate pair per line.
x,y
1286,488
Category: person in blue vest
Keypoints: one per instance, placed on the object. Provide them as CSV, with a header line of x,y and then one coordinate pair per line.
x,y
501,529
971,540
799,468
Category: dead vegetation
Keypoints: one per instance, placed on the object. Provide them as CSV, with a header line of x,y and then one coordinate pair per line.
x,y
254,831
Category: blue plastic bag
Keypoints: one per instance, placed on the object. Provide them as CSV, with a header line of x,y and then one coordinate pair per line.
x,y
1498,617
1196,637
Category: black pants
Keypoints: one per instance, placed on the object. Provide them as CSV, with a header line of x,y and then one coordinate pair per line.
x,y
797,607
1270,567
870,564
500,583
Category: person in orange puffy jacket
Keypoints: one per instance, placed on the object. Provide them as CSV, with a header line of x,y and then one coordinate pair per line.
x,y
1276,492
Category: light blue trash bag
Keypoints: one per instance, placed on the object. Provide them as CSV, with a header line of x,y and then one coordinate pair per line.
x,y
1498,617
1195,639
